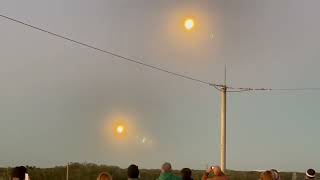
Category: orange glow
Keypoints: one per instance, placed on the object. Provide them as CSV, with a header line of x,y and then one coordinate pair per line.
x,y
120,129
189,23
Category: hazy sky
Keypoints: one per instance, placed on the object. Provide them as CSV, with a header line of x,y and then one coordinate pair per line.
x,y
59,101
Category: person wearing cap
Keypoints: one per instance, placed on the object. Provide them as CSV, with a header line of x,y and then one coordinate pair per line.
x,y
166,173
275,174
218,174
310,174
133,172
19,173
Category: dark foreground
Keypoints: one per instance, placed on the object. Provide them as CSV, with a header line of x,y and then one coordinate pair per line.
x,y
88,171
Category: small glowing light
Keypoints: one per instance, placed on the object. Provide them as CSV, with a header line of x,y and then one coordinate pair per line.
x,y
189,24
144,140
212,36
120,129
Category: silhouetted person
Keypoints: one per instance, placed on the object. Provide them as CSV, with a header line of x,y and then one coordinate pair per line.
x,y
166,173
186,174
133,172
310,174
19,173
104,176
275,174
218,174
267,175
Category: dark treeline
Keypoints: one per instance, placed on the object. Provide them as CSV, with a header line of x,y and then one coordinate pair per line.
x,y
89,171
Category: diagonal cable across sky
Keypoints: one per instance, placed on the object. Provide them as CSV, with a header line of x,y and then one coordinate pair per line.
x,y
157,68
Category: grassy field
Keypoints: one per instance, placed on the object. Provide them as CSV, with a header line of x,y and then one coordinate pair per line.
x,y
88,171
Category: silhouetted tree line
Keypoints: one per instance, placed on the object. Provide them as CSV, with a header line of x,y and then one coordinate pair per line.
x,y
90,171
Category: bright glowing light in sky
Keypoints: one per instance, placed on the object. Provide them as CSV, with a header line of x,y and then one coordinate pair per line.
x,y
189,24
120,129
123,131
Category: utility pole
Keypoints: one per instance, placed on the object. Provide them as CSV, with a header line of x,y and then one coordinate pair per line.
x,y
294,176
8,174
223,146
67,176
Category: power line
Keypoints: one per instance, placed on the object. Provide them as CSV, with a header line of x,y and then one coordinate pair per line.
x,y
297,89
235,89
216,86
109,52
